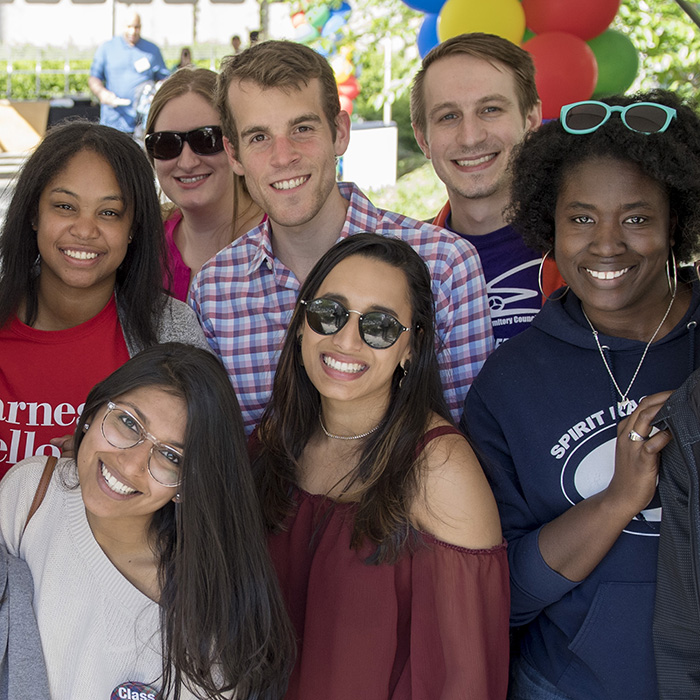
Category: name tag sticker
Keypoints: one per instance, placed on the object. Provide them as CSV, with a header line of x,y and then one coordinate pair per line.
x,y
133,691
142,65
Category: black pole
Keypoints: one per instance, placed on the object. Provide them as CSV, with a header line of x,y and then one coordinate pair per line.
x,y
690,11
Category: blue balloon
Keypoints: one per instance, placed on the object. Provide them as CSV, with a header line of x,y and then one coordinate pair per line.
x,y
335,23
427,35
344,10
430,7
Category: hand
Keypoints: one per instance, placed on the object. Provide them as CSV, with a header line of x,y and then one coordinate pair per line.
x,y
107,97
65,444
637,462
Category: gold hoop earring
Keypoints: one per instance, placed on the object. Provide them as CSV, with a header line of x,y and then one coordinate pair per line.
x,y
673,284
539,281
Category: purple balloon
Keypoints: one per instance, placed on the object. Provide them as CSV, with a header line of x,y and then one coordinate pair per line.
x,y
427,35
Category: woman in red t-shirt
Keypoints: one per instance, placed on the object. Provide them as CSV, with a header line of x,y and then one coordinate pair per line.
x,y
81,256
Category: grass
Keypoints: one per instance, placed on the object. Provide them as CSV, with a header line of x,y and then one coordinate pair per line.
x,y
419,193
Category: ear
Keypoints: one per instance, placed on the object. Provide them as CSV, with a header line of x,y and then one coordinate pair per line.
x,y
534,117
673,223
421,141
342,132
176,498
235,163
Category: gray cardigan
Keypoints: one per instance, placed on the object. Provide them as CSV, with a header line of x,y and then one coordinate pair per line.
x,y
179,324
22,670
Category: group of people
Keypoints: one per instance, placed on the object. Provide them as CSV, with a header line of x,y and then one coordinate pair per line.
x,y
272,499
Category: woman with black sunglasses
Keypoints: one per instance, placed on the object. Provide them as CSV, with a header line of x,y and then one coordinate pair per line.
x,y
210,204
382,527
562,415
147,551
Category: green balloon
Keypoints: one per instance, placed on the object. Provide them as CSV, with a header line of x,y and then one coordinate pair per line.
x,y
318,16
618,63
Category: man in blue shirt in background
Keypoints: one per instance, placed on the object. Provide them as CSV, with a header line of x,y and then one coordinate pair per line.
x,y
122,65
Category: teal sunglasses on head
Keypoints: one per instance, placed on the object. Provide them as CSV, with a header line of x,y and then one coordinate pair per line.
x,y
642,117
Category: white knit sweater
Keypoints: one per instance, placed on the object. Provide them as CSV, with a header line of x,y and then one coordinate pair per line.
x,y
97,630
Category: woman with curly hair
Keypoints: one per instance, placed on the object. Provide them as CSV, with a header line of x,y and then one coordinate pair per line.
x,y
561,415
383,529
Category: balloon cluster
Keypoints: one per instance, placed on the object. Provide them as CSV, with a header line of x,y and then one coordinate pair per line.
x,y
576,55
321,26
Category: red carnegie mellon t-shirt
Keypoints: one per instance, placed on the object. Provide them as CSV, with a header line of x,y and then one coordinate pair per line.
x,y
45,377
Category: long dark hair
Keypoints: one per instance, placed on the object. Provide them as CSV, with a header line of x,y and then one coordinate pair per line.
x,y
223,620
139,281
389,468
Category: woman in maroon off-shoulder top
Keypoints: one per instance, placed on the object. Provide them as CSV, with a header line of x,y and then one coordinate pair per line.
x,y
383,529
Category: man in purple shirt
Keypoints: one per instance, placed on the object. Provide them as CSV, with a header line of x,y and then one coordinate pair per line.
x,y
473,100
283,130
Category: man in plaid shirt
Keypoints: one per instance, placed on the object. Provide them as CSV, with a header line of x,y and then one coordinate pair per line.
x,y
283,130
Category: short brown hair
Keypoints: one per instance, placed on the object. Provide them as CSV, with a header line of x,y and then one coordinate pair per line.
x,y
276,64
488,47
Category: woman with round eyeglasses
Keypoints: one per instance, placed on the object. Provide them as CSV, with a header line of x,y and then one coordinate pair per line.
x,y
562,415
210,204
151,576
382,527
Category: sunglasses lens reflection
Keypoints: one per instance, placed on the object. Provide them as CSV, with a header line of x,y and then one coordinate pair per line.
x,y
380,330
326,316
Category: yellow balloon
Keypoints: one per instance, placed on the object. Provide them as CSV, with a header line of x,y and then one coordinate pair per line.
x,y
505,18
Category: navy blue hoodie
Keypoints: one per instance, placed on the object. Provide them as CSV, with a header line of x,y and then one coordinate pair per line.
x,y
542,415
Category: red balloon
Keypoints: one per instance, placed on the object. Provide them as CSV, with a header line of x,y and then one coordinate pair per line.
x,y
345,104
583,18
298,18
565,70
350,88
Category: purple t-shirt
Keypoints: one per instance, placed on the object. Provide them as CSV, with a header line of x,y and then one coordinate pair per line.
x,y
510,270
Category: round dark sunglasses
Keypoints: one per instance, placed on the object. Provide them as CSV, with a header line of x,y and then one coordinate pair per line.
x,y
204,141
378,329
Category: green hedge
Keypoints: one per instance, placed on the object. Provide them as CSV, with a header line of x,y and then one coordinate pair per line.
x,y
23,85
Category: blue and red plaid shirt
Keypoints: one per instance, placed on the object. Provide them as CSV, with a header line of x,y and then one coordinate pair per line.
x,y
244,298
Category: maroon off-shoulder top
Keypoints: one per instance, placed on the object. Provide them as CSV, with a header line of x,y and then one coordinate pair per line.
x,y
432,626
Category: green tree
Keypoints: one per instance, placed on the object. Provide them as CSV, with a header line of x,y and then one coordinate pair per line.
x,y
668,43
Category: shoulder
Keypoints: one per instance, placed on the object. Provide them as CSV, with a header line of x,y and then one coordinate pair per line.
x,y
454,501
17,490
179,324
233,264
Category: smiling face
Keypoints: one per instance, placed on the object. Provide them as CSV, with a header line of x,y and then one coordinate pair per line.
x,y
473,120
191,181
286,150
83,227
115,483
342,366
612,238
